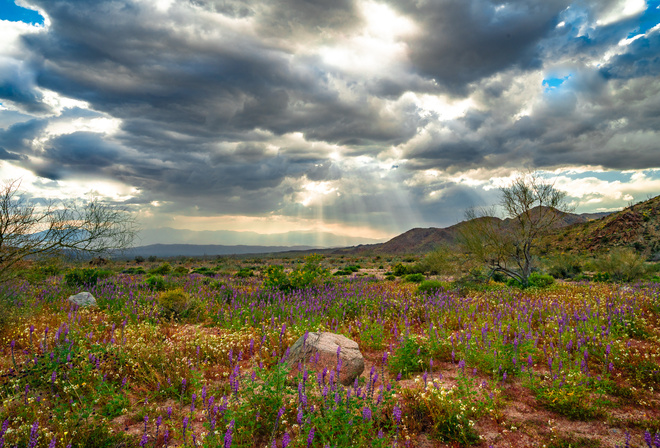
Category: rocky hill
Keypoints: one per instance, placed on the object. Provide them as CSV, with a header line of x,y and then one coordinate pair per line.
x,y
637,226
423,240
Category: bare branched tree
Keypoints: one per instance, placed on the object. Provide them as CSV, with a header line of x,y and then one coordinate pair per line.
x,y
532,208
31,230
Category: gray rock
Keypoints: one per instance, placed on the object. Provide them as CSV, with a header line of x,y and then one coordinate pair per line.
x,y
83,299
320,350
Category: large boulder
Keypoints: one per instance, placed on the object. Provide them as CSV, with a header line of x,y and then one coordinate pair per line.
x,y
320,351
83,299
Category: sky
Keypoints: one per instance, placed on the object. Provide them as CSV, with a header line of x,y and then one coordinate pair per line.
x,y
357,118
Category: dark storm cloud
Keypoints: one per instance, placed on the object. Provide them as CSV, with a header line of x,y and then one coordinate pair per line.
x,y
17,86
465,41
19,137
228,106
6,155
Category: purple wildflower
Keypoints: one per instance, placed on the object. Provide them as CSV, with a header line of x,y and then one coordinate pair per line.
x,y
396,413
34,434
229,434
310,438
366,413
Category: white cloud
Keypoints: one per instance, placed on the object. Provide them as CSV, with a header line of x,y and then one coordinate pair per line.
x,y
621,10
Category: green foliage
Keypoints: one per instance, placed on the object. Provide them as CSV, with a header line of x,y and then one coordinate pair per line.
x,y
134,271
536,280
157,282
400,269
601,277
438,262
572,401
409,357
180,270
163,269
347,270
244,273
565,266
373,336
430,287
622,264
86,277
310,274
450,413
414,278
177,302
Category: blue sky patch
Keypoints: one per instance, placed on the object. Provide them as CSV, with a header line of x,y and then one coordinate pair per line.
x,y
553,83
649,19
12,12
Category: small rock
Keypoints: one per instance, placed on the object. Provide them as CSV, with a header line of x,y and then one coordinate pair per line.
x,y
320,350
83,299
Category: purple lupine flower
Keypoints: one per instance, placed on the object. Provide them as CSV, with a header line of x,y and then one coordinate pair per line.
x,y
310,437
52,443
144,440
34,434
396,413
286,439
229,434
366,413
184,424
299,417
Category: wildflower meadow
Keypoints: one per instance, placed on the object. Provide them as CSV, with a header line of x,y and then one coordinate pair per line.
x,y
197,357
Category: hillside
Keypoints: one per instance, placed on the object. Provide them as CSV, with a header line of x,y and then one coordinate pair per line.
x,y
423,240
637,226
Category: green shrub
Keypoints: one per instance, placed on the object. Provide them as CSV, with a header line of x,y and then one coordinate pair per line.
x,y
622,264
134,271
163,269
244,273
565,266
414,278
86,277
176,302
400,269
439,261
390,277
601,277
409,357
180,270
539,280
430,287
310,274
157,282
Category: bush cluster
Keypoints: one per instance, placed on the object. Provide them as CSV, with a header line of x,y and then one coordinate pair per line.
x,y
85,277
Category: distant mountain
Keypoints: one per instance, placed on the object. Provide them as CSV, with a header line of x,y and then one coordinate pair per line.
x,y
167,235
200,250
423,240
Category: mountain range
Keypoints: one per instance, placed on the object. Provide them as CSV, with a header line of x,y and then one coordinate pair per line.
x,y
636,226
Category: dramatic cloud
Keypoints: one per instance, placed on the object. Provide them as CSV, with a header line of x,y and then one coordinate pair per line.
x,y
338,116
